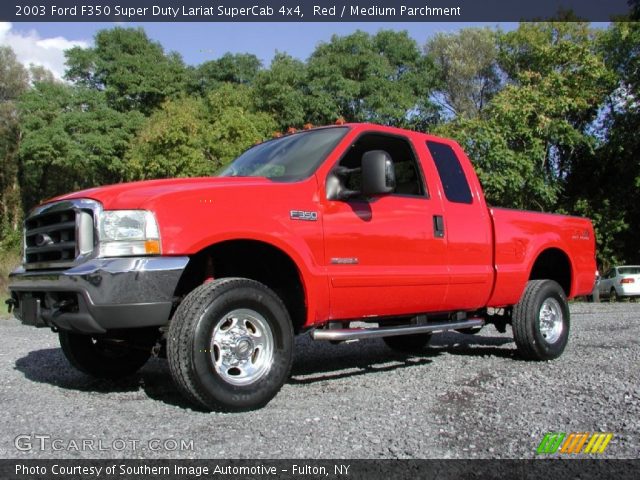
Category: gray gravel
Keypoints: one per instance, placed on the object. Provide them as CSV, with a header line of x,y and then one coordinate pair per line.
x,y
466,397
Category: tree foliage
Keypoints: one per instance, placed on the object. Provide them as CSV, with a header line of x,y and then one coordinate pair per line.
x,y
282,91
239,68
74,140
610,182
379,78
133,71
535,132
467,69
13,82
193,136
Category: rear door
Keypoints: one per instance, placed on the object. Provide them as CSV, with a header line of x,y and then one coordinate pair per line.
x,y
467,227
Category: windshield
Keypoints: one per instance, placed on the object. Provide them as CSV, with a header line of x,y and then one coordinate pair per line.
x,y
289,158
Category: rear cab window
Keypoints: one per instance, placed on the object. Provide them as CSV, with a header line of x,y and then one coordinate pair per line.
x,y
454,182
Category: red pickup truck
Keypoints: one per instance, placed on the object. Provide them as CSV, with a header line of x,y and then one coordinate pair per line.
x,y
347,232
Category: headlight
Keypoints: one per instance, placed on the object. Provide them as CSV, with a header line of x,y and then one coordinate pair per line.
x,y
128,232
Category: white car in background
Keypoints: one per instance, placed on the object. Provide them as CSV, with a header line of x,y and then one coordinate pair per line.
x,y
620,282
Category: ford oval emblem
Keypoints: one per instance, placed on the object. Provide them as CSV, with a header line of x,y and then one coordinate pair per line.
x,y
42,240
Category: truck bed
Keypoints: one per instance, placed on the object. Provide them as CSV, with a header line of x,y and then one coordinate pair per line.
x,y
521,236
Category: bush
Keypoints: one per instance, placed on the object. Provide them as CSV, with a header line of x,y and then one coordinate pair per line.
x,y
9,259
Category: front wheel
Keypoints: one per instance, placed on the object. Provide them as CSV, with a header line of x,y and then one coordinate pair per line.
x,y
541,321
230,345
103,357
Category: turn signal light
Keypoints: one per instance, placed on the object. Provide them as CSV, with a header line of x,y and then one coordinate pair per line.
x,y
152,247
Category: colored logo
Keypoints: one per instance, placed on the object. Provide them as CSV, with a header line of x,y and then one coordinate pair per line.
x,y
585,442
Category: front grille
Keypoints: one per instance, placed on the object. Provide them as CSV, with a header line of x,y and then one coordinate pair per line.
x,y
51,237
58,235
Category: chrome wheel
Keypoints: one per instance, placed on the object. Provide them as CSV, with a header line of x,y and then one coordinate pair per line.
x,y
550,320
242,347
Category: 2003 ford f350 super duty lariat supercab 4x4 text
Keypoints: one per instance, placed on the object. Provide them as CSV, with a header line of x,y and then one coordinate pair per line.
x,y
345,232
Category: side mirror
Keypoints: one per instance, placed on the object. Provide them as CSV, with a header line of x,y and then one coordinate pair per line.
x,y
378,174
336,189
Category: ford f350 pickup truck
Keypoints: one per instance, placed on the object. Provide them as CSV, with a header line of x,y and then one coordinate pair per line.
x,y
346,232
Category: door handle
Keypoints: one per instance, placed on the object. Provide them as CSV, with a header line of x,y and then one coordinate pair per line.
x,y
438,226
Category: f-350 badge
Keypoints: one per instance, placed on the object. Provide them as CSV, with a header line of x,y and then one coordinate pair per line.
x,y
303,215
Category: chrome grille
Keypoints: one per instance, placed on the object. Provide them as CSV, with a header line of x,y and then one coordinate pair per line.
x,y
59,234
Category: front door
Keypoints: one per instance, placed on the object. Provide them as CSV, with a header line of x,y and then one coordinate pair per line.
x,y
383,255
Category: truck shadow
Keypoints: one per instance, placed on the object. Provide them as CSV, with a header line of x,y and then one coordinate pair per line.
x,y
153,381
313,362
456,343
319,361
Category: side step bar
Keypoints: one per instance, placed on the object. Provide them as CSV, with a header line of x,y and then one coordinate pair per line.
x,y
342,334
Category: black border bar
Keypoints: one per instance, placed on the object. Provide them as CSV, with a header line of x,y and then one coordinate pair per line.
x,y
535,469
307,10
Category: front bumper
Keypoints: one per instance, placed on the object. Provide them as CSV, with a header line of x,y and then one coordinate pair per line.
x,y
99,295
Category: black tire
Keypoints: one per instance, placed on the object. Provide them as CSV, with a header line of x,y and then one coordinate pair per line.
x,y
218,324
103,357
534,337
613,295
408,343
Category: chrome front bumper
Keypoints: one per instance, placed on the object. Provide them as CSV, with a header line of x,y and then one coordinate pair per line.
x,y
99,295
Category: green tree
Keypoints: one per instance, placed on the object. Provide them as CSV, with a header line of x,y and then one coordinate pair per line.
x,y
192,137
134,72
240,68
71,139
13,82
467,69
282,91
536,131
172,143
608,182
380,78
236,123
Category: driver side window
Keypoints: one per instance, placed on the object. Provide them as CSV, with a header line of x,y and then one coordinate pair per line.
x,y
407,171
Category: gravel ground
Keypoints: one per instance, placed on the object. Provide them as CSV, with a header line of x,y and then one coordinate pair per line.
x,y
466,397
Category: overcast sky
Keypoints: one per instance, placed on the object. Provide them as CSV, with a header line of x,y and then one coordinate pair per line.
x,y
44,43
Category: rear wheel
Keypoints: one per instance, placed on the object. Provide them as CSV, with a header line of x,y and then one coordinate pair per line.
x,y
104,357
613,295
408,343
230,345
541,321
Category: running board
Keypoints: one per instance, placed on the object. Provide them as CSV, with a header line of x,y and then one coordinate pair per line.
x,y
344,334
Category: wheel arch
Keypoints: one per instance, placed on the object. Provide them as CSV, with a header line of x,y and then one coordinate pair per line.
x,y
553,263
254,259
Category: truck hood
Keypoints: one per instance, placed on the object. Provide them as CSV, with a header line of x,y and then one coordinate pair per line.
x,y
142,194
